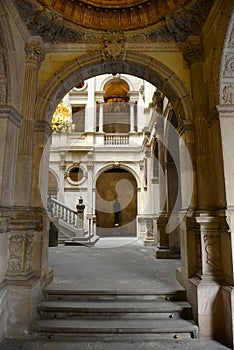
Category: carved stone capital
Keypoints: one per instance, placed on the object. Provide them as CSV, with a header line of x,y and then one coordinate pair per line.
x,y
193,52
34,52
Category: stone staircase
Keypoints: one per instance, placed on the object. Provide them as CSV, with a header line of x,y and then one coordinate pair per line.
x,y
110,315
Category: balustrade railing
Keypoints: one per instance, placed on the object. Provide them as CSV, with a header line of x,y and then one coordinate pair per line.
x,y
61,211
116,139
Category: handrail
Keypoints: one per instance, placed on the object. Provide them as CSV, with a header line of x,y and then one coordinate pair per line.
x,y
70,216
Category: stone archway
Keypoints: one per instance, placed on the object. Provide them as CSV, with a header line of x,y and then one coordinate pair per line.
x,y
139,65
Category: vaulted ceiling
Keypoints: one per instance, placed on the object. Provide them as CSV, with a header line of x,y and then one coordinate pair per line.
x,y
141,20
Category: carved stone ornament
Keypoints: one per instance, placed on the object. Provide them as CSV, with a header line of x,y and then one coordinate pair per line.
x,y
114,44
16,259
34,52
193,50
228,94
229,66
54,25
212,250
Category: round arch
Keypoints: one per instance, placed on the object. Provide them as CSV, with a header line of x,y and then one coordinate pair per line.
x,y
116,202
91,65
122,166
113,78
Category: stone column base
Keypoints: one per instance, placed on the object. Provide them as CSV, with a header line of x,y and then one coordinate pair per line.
x,y
167,253
212,309
21,307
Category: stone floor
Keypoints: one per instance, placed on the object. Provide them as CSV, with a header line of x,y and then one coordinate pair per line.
x,y
121,264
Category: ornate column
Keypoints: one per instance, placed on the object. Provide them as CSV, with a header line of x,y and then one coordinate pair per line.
x,y
26,223
194,56
33,58
204,287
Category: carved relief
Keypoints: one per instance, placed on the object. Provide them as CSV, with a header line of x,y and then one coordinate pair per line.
x,y
229,65
17,247
212,251
228,94
51,26
114,41
47,24
193,50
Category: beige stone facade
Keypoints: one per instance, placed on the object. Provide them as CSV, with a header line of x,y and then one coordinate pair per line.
x,y
188,55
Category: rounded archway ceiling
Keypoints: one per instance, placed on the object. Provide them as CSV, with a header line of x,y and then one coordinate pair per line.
x,y
115,14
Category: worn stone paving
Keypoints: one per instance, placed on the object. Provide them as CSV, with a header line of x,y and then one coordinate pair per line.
x,y
121,264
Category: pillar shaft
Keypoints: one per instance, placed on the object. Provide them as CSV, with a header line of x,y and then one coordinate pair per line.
x,y
23,184
204,175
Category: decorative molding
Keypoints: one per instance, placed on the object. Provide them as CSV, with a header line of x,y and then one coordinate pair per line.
x,y
174,25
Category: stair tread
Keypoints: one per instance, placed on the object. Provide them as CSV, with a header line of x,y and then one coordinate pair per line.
x,y
116,305
159,325
60,290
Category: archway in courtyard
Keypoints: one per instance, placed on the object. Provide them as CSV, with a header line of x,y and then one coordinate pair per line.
x,y
141,66
116,203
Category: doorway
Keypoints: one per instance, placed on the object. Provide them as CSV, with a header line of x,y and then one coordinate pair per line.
x,y
116,203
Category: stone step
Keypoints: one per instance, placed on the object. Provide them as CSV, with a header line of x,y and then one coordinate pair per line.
x,y
82,241
115,309
59,293
156,329
71,313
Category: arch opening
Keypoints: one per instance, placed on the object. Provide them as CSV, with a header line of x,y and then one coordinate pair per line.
x,y
116,203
